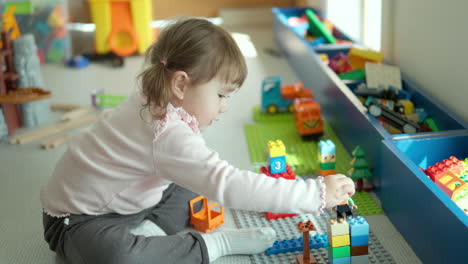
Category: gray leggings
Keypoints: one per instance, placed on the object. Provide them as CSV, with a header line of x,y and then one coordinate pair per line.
x,y
107,239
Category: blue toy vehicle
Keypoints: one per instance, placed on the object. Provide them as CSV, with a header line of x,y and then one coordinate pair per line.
x,y
280,99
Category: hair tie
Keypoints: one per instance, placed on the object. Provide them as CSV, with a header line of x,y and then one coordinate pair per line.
x,y
163,62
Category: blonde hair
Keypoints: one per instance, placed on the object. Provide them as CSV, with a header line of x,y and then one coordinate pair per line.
x,y
195,46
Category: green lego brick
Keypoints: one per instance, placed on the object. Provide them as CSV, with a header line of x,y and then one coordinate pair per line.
x,y
366,205
317,28
301,155
353,75
109,100
431,123
258,116
339,252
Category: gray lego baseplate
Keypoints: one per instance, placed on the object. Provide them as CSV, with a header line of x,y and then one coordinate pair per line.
x,y
286,229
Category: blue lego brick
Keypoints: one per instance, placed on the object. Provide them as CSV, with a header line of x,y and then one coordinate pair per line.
x,y
345,260
326,147
358,226
277,164
296,244
359,240
364,259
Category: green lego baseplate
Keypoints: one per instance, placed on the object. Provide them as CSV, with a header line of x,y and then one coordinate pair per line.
x,y
301,155
258,116
366,204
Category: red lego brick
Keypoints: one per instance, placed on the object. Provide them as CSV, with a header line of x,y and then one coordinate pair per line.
x,y
451,165
274,216
289,174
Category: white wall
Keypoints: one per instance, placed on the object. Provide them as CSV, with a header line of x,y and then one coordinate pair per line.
x,y
428,39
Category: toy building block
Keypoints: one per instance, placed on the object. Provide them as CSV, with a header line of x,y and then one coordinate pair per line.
x,y
451,185
317,27
206,219
296,90
353,75
451,165
289,174
358,226
275,216
339,241
339,252
383,76
359,170
360,240
335,228
339,63
363,259
358,57
100,99
308,119
276,156
296,244
305,228
360,250
326,157
345,260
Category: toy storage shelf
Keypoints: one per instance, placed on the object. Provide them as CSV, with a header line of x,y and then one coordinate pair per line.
x,y
350,120
340,107
431,222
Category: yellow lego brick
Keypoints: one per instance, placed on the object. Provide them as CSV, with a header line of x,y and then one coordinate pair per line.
x,y
334,228
276,148
357,57
339,241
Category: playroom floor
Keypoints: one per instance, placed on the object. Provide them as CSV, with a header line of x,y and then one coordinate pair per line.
x,y
25,167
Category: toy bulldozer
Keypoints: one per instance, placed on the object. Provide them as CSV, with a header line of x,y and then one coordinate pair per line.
x,y
206,219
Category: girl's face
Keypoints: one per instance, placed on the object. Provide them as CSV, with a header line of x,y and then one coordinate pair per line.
x,y
206,101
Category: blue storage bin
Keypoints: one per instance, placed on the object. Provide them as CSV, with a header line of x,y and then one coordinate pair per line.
x,y
434,226
283,14
340,107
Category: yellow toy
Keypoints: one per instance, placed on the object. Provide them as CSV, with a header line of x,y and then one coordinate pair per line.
x,y
122,26
357,57
9,23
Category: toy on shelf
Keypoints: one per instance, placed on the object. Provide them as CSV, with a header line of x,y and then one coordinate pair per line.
x,y
206,219
396,120
277,98
111,58
308,119
451,176
326,158
358,57
78,62
317,28
339,63
9,23
306,257
277,168
359,170
122,26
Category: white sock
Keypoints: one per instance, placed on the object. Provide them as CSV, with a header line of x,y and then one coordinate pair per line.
x,y
228,241
147,228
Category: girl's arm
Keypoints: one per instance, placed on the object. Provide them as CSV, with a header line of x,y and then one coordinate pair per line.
x,y
181,156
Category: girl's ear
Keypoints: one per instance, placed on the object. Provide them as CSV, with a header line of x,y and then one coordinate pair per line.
x,y
179,84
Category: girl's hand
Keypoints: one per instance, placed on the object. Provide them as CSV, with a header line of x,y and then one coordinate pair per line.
x,y
338,189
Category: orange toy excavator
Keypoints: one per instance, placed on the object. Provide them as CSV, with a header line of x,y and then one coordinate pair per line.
x,y
206,219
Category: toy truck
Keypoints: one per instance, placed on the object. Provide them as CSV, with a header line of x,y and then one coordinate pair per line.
x,y
376,109
308,118
280,99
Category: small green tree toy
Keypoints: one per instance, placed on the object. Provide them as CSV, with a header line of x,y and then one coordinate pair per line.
x,y
359,168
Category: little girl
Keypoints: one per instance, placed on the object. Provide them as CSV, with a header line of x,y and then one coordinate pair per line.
x,y
146,159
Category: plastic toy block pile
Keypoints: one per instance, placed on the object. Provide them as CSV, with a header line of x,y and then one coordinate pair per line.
x,y
451,175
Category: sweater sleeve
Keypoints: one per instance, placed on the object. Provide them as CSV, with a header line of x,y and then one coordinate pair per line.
x,y
182,157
